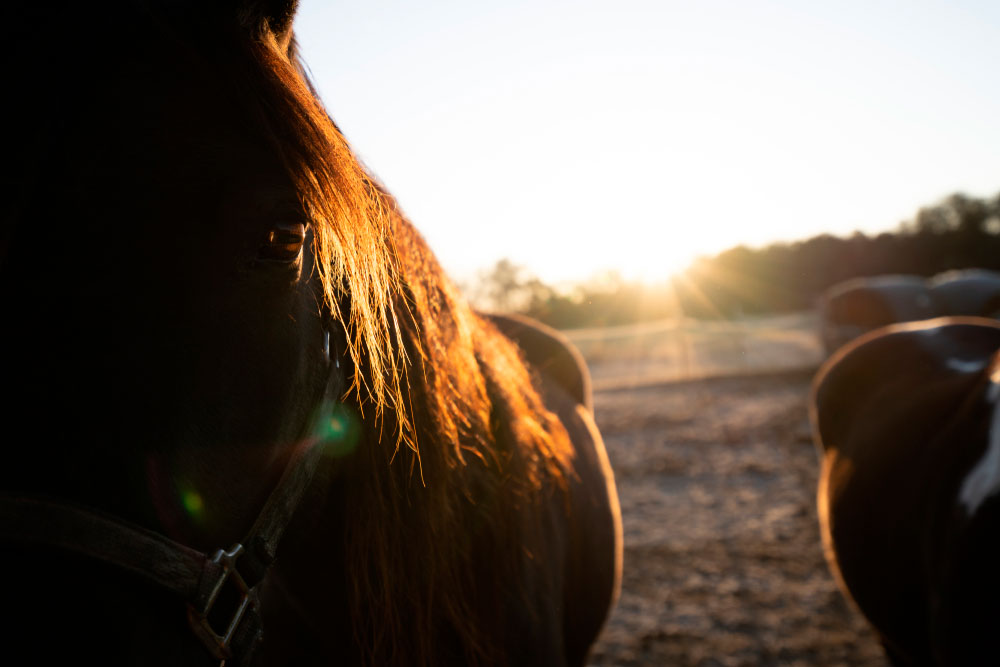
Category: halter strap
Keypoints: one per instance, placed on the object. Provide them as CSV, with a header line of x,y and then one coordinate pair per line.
x,y
186,572
89,532
254,556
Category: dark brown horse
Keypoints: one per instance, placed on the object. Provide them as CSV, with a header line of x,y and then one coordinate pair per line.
x,y
857,306
854,307
908,420
220,331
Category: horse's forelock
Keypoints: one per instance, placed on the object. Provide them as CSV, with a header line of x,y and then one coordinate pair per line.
x,y
356,258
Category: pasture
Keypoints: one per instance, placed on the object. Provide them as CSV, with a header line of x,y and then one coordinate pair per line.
x,y
706,427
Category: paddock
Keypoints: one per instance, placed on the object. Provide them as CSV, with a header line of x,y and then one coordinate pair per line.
x,y
717,473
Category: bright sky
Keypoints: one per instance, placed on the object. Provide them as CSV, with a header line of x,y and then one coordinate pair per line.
x,y
577,137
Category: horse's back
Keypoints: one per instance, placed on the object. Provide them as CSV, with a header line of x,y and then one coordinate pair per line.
x,y
973,292
851,308
592,549
912,362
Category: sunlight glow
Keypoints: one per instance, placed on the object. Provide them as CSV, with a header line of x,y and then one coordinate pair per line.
x,y
574,138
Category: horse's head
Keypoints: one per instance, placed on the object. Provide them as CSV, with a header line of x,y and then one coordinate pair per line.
x,y
175,263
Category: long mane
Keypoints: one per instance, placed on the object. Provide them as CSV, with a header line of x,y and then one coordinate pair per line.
x,y
459,452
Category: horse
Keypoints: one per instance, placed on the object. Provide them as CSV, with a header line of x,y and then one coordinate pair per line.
x,y
907,421
974,292
854,307
857,306
250,420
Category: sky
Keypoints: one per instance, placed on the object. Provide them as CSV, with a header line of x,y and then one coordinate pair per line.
x,y
580,137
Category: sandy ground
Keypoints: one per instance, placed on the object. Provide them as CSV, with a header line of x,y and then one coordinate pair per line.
x,y
722,553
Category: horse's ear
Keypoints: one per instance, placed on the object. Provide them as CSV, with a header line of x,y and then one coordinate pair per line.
x,y
277,15
257,16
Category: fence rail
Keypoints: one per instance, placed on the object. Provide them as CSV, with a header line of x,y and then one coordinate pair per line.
x,y
683,349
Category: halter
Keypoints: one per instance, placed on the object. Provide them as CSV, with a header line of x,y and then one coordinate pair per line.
x,y
197,578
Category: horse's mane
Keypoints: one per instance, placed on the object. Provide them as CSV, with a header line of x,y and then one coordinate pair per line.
x,y
460,449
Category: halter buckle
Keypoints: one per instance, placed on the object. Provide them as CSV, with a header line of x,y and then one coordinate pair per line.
x,y
218,571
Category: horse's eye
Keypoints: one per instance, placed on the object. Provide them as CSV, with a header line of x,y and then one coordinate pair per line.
x,y
283,243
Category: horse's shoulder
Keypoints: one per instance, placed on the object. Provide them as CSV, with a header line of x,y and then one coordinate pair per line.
x,y
549,353
595,554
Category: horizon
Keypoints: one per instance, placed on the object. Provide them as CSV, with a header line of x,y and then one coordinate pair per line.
x,y
575,140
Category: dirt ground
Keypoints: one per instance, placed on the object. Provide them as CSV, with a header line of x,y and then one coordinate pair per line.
x,y
722,552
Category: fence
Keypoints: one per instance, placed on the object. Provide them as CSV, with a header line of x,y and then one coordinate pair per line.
x,y
683,349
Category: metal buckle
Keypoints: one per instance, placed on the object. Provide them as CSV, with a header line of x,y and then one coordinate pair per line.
x,y
220,645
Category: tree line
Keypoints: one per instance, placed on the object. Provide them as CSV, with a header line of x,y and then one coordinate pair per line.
x,y
956,233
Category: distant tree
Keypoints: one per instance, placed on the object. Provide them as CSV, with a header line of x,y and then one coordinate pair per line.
x,y
501,287
957,232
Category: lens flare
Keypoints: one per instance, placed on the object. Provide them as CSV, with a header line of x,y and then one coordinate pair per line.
x,y
192,503
339,431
